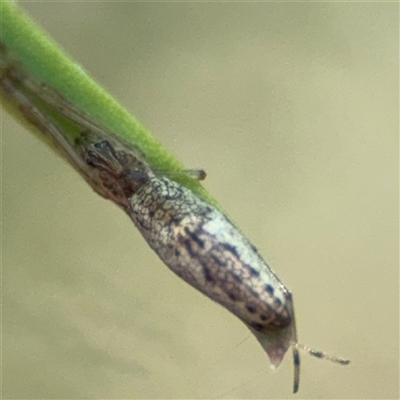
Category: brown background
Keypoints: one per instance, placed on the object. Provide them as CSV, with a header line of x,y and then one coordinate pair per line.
x,y
292,109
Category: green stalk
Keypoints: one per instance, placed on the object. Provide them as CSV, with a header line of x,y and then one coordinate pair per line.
x,y
43,60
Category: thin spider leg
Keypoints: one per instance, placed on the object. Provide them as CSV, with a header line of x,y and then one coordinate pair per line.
x,y
321,354
51,131
195,173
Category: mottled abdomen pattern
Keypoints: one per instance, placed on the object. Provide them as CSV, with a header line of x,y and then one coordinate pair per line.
x,y
198,243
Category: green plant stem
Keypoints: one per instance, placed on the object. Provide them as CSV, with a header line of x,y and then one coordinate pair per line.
x,y
43,60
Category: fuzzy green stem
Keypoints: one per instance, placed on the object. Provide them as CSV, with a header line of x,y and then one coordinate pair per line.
x,y
44,61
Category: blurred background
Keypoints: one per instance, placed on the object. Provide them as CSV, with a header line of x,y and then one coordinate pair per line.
x,y
292,109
